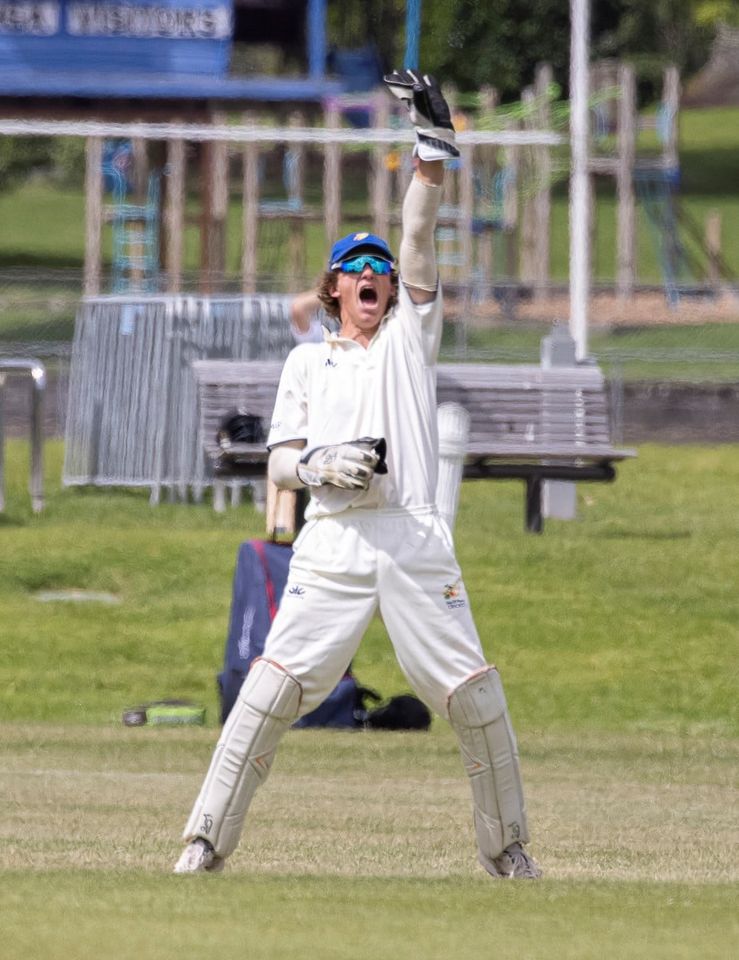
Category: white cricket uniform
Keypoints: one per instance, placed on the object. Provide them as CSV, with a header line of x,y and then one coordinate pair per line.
x,y
385,548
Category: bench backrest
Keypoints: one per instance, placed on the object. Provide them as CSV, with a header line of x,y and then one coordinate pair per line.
x,y
524,404
512,406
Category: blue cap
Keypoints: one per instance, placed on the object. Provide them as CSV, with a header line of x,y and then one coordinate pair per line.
x,y
355,243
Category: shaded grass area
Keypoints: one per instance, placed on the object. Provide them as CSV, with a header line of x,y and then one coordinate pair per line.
x,y
627,619
128,918
26,324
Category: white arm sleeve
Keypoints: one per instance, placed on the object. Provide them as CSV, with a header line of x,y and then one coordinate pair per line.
x,y
282,467
417,254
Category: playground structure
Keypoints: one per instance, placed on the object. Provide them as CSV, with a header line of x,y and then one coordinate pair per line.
x,y
294,170
385,185
495,222
135,226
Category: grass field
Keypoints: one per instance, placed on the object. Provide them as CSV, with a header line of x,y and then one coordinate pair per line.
x,y
363,842
616,636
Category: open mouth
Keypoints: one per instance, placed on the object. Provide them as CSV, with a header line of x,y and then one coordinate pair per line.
x,y
368,296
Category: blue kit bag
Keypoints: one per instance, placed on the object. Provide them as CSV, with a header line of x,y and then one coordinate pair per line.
x,y
259,579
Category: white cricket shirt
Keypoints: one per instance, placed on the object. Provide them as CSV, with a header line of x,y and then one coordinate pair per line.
x,y
337,390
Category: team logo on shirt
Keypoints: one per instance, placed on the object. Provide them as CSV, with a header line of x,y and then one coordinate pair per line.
x,y
452,594
296,590
330,363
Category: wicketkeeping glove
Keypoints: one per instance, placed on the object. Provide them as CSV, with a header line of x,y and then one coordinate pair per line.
x,y
350,466
428,112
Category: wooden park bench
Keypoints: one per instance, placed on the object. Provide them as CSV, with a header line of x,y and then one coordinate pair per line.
x,y
526,421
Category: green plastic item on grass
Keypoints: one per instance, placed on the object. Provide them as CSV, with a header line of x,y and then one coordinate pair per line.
x,y
165,713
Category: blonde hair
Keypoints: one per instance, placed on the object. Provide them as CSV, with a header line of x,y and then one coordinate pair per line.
x,y
330,304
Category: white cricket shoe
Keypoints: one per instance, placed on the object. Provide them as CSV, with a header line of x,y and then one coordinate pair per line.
x,y
513,864
199,857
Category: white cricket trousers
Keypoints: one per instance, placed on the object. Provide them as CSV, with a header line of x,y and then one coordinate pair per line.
x,y
345,568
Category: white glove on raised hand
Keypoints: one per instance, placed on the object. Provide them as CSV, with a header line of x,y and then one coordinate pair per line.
x,y
428,112
350,466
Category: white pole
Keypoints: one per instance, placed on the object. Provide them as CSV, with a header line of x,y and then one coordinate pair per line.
x,y
579,187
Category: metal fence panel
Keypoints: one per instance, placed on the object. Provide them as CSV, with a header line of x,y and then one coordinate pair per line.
x,y
132,417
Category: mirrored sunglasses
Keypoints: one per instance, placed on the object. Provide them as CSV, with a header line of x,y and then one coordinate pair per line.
x,y
357,264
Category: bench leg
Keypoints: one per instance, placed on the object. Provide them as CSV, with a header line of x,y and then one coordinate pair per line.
x,y
219,496
534,521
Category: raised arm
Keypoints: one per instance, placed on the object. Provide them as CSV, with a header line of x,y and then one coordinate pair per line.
x,y
417,258
304,317
429,113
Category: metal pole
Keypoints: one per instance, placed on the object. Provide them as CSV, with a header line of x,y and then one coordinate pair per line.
x,y
412,33
38,387
36,482
579,186
316,39
2,445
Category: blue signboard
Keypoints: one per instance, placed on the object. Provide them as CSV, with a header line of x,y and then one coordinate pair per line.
x,y
116,36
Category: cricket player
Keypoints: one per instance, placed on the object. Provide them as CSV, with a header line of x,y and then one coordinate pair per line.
x,y
355,422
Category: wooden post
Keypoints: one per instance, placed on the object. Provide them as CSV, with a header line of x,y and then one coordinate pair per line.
x,y
140,168
93,215
543,186
671,106
219,199
174,214
135,229
332,176
466,206
381,182
296,240
510,207
206,216
214,205
713,247
592,227
528,211
626,214
451,188
487,163
250,202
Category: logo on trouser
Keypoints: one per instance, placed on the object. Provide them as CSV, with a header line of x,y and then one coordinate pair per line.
x,y
207,823
452,594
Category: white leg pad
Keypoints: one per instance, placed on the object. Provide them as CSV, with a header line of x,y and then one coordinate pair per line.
x,y
479,715
267,705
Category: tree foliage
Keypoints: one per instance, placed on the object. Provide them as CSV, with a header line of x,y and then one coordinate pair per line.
x,y
654,34
495,42
22,156
472,43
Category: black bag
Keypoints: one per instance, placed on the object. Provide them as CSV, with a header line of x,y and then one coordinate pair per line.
x,y
404,712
